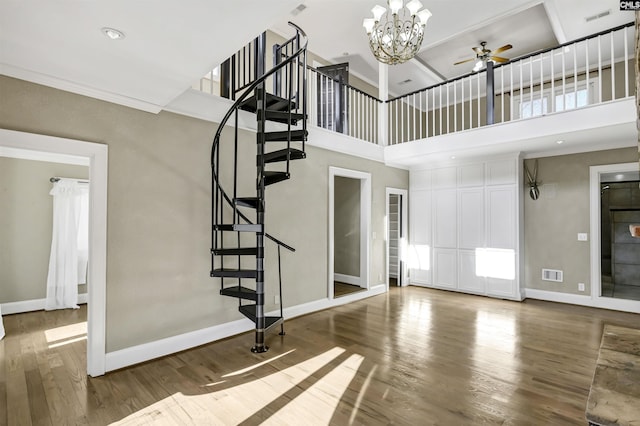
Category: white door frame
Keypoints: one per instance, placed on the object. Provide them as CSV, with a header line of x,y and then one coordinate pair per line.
x,y
596,277
403,272
365,223
18,145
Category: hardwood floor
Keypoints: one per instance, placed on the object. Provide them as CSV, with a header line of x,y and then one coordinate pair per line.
x,y
413,356
342,289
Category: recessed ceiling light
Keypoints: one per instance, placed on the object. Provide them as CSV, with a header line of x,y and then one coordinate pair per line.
x,y
560,142
112,33
453,157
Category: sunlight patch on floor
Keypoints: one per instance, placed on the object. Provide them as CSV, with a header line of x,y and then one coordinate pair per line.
x,y
66,334
233,405
252,367
317,404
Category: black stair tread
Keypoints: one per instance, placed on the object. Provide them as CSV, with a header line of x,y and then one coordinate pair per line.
x,y
281,155
274,103
274,177
251,202
234,273
240,292
283,116
294,135
239,251
249,311
239,227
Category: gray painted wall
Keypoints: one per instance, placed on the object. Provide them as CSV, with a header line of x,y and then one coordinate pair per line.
x,y
158,222
346,226
551,225
26,217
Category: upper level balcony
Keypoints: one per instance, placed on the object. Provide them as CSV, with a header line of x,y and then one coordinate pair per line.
x,y
576,97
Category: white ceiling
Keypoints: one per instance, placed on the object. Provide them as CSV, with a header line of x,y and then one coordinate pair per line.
x,y
335,33
169,45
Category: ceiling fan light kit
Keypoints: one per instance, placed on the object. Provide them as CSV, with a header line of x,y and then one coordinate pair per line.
x,y
395,34
484,55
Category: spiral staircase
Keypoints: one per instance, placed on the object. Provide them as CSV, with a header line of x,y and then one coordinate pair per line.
x,y
238,259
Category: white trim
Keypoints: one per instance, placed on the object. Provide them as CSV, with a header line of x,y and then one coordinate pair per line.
x,y
404,193
97,154
23,306
147,351
556,296
594,212
68,86
577,299
365,223
43,156
347,279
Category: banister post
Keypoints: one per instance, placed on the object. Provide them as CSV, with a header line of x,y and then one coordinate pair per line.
x,y
383,95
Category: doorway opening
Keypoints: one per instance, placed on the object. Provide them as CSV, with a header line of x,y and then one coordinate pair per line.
x,y
396,237
349,230
615,254
15,144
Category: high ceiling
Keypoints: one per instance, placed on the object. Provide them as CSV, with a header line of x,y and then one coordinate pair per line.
x,y
335,33
169,45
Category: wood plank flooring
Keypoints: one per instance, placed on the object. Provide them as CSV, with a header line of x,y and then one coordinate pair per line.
x,y
413,356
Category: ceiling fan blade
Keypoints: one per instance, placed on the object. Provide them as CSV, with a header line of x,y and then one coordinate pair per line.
x,y
498,59
478,50
465,61
502,49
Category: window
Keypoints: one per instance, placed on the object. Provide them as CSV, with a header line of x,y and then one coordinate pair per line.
x,y
573,98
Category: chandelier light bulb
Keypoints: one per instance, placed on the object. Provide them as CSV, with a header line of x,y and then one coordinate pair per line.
x,y
424,16
368,24
414,6
378,11
395,6
395,34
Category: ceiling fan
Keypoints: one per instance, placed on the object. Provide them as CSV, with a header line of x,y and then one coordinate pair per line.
x,y
483,55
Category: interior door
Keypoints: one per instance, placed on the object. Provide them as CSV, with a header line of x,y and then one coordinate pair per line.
x,y
332,97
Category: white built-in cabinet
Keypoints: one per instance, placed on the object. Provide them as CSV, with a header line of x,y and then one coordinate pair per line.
x,y
464,227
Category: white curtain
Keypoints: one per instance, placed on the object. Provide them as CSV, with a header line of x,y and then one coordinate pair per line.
x,y
69,244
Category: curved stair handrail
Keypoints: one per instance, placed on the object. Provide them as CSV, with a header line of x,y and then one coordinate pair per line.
x,y
234,109
230,255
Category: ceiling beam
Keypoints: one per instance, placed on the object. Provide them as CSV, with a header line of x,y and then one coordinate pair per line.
x,y
554,20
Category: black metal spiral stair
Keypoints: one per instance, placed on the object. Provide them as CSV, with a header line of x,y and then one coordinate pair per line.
x,y
234,217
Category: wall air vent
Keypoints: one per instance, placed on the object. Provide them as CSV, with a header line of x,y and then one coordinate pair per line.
x,y
552,275
598,15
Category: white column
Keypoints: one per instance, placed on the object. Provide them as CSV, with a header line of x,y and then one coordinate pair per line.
x,y
383,95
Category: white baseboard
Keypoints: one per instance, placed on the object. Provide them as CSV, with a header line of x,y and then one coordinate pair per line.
x,y
147,351
347,279
583,300
32,305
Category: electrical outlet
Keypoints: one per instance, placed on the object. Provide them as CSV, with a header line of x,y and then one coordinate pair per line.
x,y
580,286
276,299
379,277
582,236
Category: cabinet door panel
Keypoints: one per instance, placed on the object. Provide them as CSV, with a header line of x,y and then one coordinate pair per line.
x,y
445,218
501,214
471,175
500,287
467,278
501,172
444,178
471,223
445,269
420,217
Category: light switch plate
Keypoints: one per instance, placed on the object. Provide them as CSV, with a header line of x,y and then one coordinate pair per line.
x,y
582,236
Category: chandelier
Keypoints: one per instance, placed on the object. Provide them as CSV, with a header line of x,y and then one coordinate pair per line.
x,y
395,35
